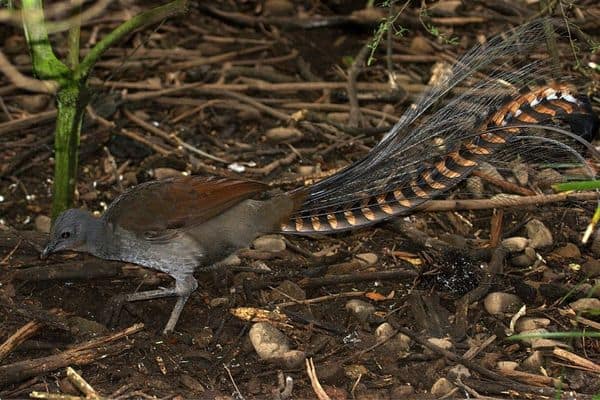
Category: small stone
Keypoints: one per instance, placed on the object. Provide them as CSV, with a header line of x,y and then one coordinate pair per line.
x,y
339,117
586,305
306,170
444,343
360,309
43,223
401,392
368,258
278,7
163,173
330,372
268,341
459,371
273,243
515,243
526,259
497,303
533,362
568,251
507,365
282,133
286,291
442,387
129,179
384,331
591,268
420,45
530,323
539,235
354,371
191,383
219,302
33,103
548,177
83,326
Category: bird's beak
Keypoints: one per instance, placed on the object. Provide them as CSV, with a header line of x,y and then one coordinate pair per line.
x,y
47,251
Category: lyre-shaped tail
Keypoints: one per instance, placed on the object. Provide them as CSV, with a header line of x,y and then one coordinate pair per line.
x,y
540,105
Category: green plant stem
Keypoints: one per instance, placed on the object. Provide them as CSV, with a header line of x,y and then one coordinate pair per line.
x,y
73,41
580,185
146,18
45,63
71,107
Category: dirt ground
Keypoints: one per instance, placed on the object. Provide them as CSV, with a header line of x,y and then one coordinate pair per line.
x,y
361,305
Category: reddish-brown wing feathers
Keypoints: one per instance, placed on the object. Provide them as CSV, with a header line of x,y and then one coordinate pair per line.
x,y
177,203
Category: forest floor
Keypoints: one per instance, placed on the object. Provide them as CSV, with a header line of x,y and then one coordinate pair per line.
x,y
259,90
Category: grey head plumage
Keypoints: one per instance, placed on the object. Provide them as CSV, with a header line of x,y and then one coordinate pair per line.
x,y
75,230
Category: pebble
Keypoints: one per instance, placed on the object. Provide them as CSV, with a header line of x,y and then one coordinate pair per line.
x,y
420,45
282,133
569,250
306,170
538,234
591,268
339,117
355,371
83,326
497,303
368,258
33,103
442,387
400,343
279,7
163,173
219,302
273,243
533,362
43,223
526,259
507,365
531,323
443,343
401,392
548,177
286,291
273,346
361,310
459,371
586,305
515,244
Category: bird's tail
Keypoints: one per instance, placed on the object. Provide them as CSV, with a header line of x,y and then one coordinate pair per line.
x,y
492,118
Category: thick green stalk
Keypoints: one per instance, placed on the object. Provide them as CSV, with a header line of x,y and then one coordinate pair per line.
x,y
71,105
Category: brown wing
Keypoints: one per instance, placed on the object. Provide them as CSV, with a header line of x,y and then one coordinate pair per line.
x,y
154,209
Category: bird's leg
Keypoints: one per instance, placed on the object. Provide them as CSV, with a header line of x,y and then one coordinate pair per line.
x,y
184,286
183,289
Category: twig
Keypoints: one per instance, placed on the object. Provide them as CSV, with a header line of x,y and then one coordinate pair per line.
x,y
354,120
314,380
357,277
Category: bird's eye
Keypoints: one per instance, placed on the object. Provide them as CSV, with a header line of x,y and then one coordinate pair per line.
x,y
65,235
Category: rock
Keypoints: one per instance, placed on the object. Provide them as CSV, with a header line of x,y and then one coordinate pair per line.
x,y
521,173
83,326
515,244
531,323
339,117
384,331
33,103
361,310
586,305
443,343
591,268
282,133
191,383
268,341
401,392
548,177
43,223
497,303
400,343
219,302
420,45
459,371
286,291
330,372
273,243
306,170
507,365
354,371
279,7
368,258
569,250
533,362
538,234
163,173
442,387
526,259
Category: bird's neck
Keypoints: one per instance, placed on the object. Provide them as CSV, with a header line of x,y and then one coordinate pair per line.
x,y
101,241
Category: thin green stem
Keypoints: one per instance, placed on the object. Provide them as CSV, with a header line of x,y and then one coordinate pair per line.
x,y
45,64
578,185
146,18
73,40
